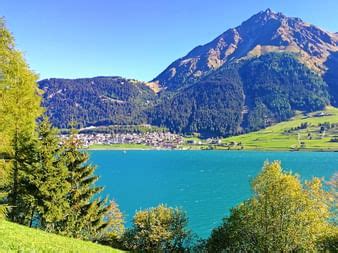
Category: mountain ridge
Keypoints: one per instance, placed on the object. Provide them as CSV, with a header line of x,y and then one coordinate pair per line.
x,y
95,101
264,32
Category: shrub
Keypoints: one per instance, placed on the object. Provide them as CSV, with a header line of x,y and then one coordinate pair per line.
x,y
158,229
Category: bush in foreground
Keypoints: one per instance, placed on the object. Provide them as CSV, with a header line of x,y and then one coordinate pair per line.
x,y
284,215
158,229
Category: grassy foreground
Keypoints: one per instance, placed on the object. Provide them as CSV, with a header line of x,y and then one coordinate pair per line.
x,y
288,135
17,238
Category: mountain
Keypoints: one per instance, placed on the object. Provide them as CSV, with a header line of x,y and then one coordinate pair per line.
x,y
264,32
96,101
248,78
212,107
244,97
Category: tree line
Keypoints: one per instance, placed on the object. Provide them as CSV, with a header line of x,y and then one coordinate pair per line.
x,y
49,184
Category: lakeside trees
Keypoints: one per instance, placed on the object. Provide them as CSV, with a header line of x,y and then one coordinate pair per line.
x,y
56,189
51,177
19,94
44,183
87,215
283,215
19,109
158,229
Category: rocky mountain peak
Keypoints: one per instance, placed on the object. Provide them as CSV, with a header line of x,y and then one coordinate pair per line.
x,y
266,15
264,32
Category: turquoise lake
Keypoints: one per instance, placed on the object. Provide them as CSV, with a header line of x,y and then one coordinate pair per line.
x,y
206,184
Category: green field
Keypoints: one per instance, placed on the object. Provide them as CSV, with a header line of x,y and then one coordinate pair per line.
x,y
288,135
17,238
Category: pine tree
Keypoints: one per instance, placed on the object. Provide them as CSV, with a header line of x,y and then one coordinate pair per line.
x,y
26,169
87,215
51,181
41,180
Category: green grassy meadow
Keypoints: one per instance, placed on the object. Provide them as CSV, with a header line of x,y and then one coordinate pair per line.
x,y
17,238
286,136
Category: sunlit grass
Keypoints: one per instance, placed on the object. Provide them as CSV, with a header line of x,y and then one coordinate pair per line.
x,y
275,137
17,238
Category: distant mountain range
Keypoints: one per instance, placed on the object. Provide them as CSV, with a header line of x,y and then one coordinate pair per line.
x,y
247,78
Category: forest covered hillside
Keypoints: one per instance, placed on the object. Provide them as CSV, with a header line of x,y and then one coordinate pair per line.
x,y
96,101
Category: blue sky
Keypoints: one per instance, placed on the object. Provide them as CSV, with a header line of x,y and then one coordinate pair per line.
x,y
133,38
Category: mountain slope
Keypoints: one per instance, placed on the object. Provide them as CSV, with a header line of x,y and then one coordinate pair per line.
x,y
244,96
277,84
262,33
331,77
96,101
212,106
18,238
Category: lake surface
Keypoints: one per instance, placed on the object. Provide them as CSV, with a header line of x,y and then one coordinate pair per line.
x,y
206,184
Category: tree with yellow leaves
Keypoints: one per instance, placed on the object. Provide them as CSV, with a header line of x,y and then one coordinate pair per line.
x,y
19,109
159,229
283,215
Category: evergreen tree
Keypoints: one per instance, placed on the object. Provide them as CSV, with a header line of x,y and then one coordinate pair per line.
x,y
87,214
42,179
51,181
26,191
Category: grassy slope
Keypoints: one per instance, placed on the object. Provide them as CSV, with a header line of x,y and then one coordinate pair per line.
x,y
275,138
17,238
